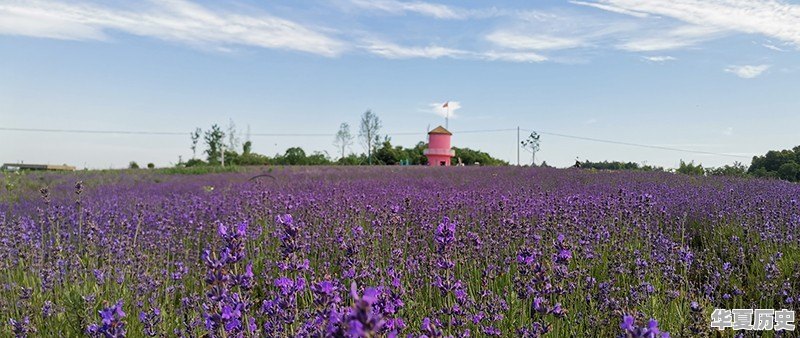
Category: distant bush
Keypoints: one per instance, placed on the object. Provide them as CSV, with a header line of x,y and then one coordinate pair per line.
x,y
200,170
471,157
353,159
617,165
690,168
133,165
297,156
151,165
737,169
194,163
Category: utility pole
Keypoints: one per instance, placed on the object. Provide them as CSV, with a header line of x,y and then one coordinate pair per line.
x,y
222,147
518,144
447,117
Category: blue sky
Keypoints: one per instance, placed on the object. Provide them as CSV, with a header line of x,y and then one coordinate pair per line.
x,y
717,76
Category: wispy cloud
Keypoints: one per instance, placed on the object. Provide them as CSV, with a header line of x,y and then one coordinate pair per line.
x,y
772,18
517,35
747,71
610,8
438,11
391,50
539,42
439,109
395,51
676,38
773,47
513,56
171,20
659,59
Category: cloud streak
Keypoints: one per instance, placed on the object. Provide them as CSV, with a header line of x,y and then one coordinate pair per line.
x,y
747,71
519,41
677,38
391,50
438,11
650,27
394,51
659,59
170,20
771,18
613,9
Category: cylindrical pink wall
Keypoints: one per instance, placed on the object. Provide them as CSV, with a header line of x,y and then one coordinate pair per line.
x,y
439,141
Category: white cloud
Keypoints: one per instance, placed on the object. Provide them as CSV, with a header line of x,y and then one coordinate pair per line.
x,y
773,47
747,72
659,59
172,20
438,11
513,56
680,37
520,41
438,109
772,18
394,51
610,8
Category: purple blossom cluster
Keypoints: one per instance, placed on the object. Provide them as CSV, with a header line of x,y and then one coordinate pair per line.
x,y
112,324
392,252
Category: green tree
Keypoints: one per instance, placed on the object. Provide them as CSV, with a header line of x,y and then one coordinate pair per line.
x,y
789,171
151,165
214,139
389,155
476,157
195,162
247,147
737,169
133,165
318,158
776,164
368,132
295,156
353,159
532,144
690,168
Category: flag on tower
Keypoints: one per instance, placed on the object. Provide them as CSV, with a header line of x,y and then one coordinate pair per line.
x,y
446,104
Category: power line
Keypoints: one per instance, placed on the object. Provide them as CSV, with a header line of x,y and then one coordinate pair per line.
x,y
85,131
128,132
635,144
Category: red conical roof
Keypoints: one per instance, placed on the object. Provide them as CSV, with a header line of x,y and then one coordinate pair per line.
x,y
440,130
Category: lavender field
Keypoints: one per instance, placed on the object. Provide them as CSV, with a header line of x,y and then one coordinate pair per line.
x,y
390,251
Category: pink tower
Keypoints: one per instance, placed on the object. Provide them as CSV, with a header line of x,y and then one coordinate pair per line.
x,y
439,152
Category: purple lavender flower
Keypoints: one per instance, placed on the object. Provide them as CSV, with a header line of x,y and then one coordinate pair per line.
x,y
111,322
630,330
21,328
150,321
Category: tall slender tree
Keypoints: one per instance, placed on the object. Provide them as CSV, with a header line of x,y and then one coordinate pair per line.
x,y
233,138
531,144
195,138
343,139
368,132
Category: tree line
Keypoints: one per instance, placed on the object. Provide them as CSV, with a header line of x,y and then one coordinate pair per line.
x,y
777,164
224,146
